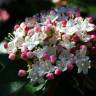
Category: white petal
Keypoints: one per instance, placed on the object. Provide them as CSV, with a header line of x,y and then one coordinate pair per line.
x,y
90,27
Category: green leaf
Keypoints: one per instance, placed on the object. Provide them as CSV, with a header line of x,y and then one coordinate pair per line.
x,y
32,89
10,88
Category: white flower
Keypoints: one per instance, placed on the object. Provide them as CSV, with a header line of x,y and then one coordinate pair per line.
x,y
77,25
70,28
65,58
19,33
78,20
67,44
70,23
82,61
39,52
36,74
11,47
83,36
36,39
15,44
18,41
39,70
85,26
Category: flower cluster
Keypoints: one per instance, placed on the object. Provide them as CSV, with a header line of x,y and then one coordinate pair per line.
x,y
52,43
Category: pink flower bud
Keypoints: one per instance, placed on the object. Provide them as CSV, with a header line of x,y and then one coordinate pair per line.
x,y
70,66
48,21
16,26
26,28
58,71
75,38
12,56
50,75
24,49
29,54
5,45
24,56
46,56
52,58
90,19
83,47
30,32
93,37
48,27
22,73
64,22
37,29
